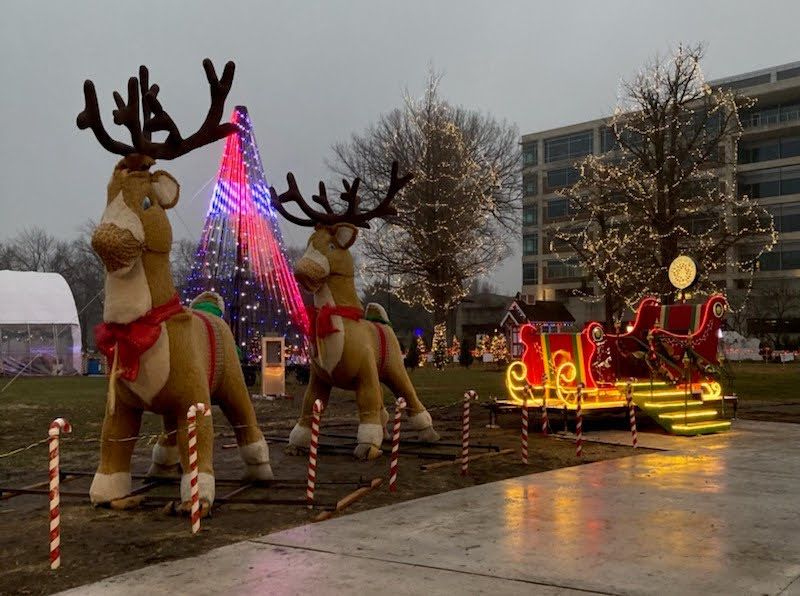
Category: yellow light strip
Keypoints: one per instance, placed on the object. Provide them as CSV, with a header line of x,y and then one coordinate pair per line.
x,y
701,427
692,414
663,405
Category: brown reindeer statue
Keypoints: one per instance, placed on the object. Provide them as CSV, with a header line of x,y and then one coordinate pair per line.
x,y
353,349
164,357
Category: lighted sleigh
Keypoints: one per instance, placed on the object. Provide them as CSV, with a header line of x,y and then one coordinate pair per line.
x,y
668,356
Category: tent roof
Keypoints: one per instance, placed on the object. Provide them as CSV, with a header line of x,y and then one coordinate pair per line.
x,y
35,298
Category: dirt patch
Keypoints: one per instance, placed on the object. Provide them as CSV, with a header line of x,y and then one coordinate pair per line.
x,y
98,543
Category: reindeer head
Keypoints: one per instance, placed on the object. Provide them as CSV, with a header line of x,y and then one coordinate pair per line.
x,y
327,252
135,219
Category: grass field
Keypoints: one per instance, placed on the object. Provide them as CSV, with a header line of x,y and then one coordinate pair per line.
x,y
29,404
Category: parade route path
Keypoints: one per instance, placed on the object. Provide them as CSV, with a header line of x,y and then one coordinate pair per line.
x,y
713,515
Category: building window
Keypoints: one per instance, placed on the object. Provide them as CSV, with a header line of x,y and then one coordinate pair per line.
x,y
563,269
770,183
770,115
530,244
786,217
755,151
783,257
561,178
530,183
530,215
557,208
530,153
530,274
608,142
568,147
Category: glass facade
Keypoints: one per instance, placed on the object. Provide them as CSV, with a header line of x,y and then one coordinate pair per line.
x,y
568,147
557,208
770,115
530,154
561,178
530,215
530,274
784,256
529,184
786,217
563,269
773,182
780,148
530,244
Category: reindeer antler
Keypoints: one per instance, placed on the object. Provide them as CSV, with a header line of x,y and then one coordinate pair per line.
x,y
350,195
155,118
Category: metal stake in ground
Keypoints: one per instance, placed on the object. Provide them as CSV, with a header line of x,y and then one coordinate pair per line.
x,y
312,452
58,426
524,450
544,414
631,413
579,421
400,405
468,396
191,419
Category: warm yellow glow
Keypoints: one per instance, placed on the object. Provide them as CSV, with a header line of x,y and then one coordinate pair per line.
x,y
689,415
699,427
517,383
671,405
711,390
565,373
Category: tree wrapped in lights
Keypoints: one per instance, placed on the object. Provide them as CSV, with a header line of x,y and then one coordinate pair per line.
x,y
241,254
439,346
456,217
499,349
422,351
656,194
455,349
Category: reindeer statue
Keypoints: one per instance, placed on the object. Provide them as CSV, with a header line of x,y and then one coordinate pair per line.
x,y
165,357
352,349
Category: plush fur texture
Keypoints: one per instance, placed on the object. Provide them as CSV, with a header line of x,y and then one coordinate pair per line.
x,y
174,373
350,357
207,487
166,455
256,458
107,487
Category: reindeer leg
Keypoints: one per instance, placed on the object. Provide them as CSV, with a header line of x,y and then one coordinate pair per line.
x,y
113,477
166,458
369,398
205,455
234,400
419,418
300,437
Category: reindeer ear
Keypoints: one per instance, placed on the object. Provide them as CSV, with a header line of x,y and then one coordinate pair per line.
x,y
166,188
344,234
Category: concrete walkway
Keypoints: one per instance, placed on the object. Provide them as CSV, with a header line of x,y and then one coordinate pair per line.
x,y
720,515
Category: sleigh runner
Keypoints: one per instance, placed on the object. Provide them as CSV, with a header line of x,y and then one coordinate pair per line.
x,y
668,356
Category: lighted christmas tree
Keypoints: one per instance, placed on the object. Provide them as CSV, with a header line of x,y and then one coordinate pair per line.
x,y
499,349
455,349
241,254
422,350
439,346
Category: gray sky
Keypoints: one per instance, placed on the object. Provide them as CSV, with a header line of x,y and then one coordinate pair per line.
x,y
313,72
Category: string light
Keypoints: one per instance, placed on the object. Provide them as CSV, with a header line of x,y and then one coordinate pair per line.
x,y
241,254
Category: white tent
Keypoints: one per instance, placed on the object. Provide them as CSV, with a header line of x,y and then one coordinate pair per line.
x,y
39,329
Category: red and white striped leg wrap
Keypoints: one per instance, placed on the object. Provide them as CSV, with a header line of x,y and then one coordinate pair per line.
x,y
579,422
524,451
632,415
312,451
191,420
58,426
468,396
400,405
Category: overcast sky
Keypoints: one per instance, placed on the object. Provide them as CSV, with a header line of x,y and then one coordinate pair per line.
x,y
313,72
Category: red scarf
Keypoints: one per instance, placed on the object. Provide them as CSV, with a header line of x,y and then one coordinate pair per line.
x,y
134,338
323,325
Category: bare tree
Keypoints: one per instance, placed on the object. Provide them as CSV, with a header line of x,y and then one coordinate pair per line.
x,y
456,217
657,193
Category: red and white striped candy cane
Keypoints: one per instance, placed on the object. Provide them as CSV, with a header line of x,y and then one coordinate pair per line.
x,y
400,405
312,451
632,414
545,423
524,450
57,426
191,419
468,396
579,421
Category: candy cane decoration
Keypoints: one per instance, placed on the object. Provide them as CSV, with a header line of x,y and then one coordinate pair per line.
x,y
579,422
312,452
632,414
191,419
524,450
545,423
400,405
57,426
468,396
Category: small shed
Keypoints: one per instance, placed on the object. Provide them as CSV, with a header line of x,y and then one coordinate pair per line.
x,y
39,329
547,315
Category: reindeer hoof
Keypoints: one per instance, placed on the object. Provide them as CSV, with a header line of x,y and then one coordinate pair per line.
x,y
294,450
429,435
365,451
186,508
